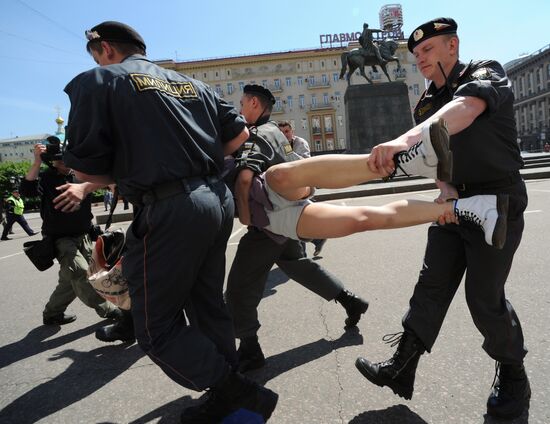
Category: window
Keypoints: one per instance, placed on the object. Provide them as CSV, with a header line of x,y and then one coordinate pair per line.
x,y
317,145
216,73
228,72
218,89
229,88
337,96
310,65
416,89
322,63
302,101
325,98
264,83
277,83
313,100
204,74
335,77
298,66
289,101
311,80
324,78
288,81
241,85
278,104
414,67
300,80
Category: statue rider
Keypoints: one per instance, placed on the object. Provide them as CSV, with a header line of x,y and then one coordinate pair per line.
x,y
366,41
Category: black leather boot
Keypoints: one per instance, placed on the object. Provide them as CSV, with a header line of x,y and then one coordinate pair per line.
x,y
354,306
250,355
398,372
510,393
122,330
234,392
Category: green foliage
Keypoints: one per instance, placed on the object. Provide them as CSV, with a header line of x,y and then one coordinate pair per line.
x,y
11,174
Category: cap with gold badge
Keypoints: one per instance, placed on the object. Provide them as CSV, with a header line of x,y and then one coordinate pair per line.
x,y
438,26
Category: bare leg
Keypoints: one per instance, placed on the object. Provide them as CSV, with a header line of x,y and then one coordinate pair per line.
x,y
293,179
322,220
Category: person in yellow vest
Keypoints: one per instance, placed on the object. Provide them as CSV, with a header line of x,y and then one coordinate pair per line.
x,y
14,213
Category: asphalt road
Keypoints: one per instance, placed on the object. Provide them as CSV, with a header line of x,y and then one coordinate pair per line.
x,y
64,375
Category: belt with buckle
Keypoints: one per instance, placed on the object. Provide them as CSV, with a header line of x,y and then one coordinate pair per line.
x,y
507,181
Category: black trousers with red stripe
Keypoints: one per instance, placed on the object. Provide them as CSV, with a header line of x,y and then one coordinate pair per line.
x,y
175,266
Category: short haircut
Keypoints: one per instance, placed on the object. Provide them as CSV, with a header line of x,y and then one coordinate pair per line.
x,y
284,124
123,48
264,101
448,37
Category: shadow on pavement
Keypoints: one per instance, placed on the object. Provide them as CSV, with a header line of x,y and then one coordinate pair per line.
x,y
275,278
394,414
168,413
293,358
88,372
35,342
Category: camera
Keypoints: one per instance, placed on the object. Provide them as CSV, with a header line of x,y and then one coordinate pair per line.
x,y
53,150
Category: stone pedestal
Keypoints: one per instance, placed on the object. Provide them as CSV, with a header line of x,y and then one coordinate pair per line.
x,y
376,113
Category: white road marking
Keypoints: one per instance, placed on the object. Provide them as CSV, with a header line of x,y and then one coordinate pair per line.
x,y
533,211
9,256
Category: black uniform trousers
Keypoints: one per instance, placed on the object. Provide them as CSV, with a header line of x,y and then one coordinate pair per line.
x,y
455,250
175,266
256,255
12,218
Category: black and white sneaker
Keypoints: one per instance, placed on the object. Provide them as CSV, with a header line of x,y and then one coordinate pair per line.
x,y
431,157
490,212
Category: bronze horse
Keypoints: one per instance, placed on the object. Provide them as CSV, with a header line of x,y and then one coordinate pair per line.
x,y
357,59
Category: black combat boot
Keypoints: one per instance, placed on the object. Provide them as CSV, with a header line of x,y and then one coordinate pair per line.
x,y
250,355
122,330
354,306
234,392
510,392
398,372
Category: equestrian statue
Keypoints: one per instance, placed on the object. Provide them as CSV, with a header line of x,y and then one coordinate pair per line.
x,y
371,54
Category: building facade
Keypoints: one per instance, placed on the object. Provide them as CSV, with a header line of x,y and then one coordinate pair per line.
x,y
530,77
20,149
305,84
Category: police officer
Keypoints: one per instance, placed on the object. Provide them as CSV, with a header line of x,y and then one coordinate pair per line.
x,y
476,100
14,213
161,137
66,211
258,251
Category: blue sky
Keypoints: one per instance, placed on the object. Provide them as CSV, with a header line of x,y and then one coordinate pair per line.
x,y
42,46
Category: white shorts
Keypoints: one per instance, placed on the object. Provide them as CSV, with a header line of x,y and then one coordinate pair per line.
x,y
283,219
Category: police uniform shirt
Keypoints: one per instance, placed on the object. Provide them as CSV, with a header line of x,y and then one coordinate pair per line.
x,y
266,146
487,150
56,223
145,125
